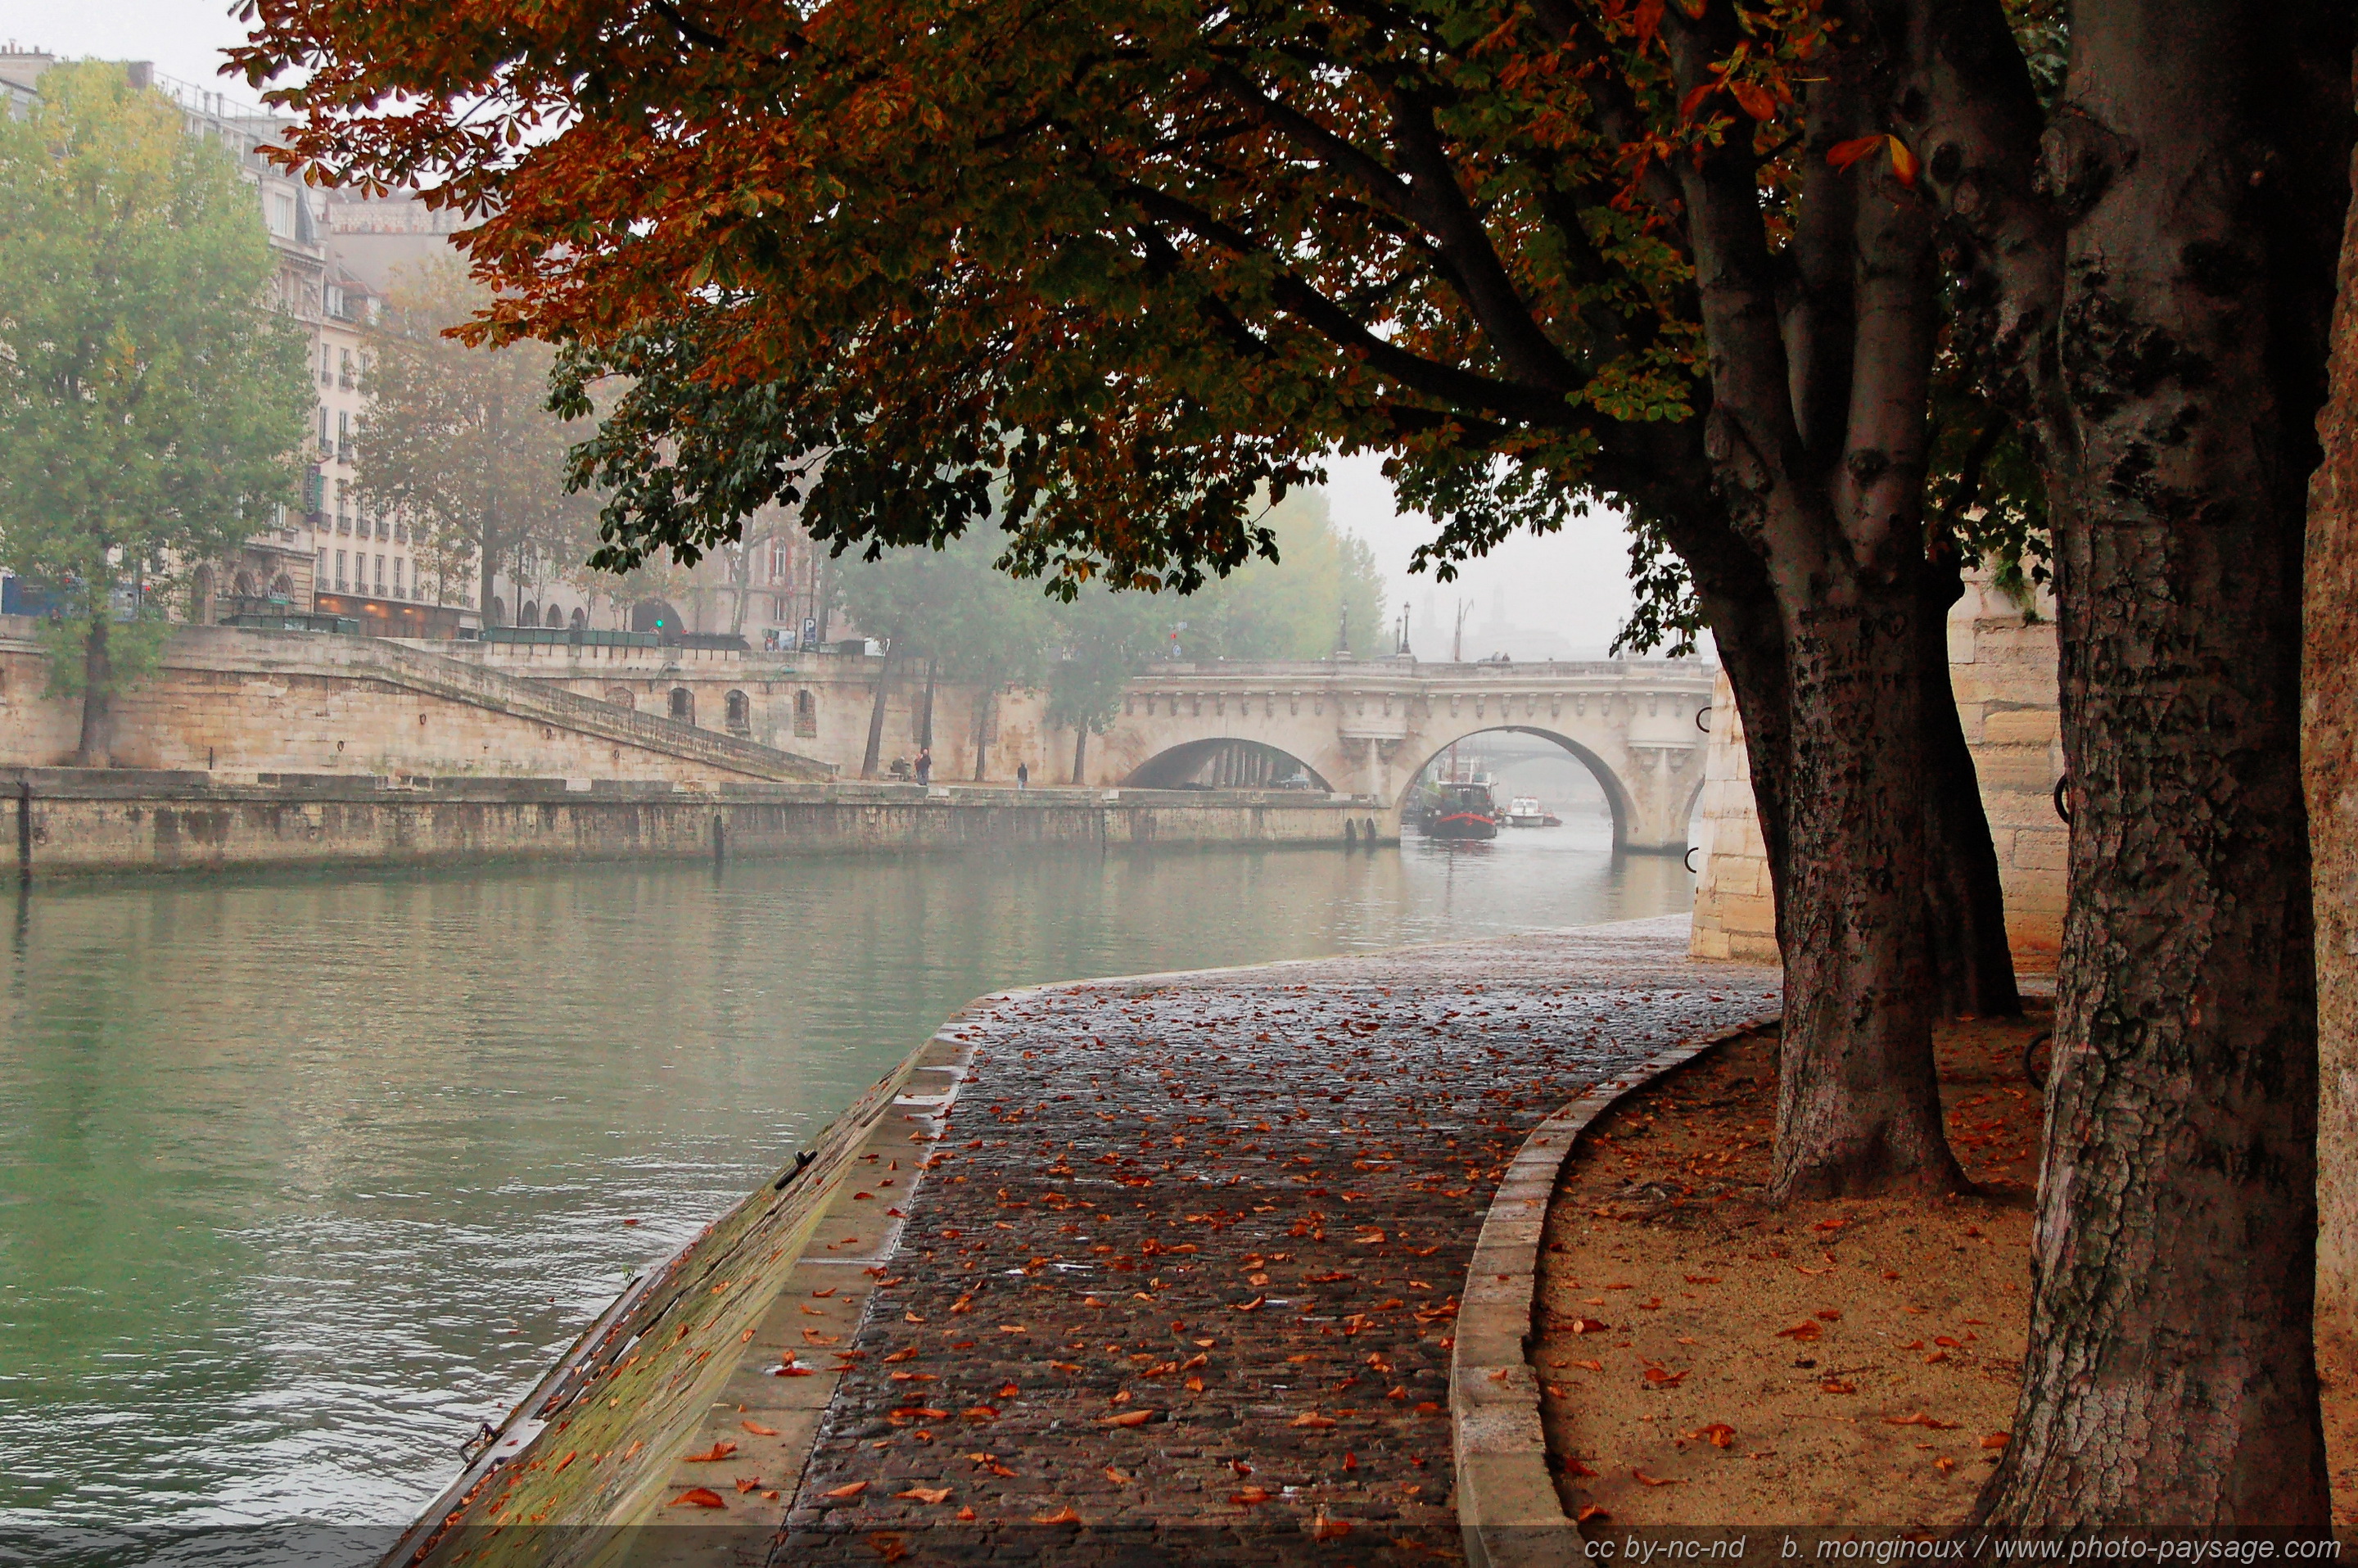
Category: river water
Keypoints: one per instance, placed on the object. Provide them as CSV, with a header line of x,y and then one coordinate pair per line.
x,y
303,1176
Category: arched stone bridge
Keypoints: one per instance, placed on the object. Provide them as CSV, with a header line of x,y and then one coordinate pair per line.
x,y
1370,727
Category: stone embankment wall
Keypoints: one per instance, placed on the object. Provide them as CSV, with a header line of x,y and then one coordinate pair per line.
x,y
238,704
68,821
2002,663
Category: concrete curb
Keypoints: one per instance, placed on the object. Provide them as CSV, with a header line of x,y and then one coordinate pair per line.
x,y
1507,1502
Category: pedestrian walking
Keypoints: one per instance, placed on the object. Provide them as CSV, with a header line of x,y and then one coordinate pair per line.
x,y
925,764
1023,775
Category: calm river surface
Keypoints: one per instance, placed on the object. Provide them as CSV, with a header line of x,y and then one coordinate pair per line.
x,y
301,1177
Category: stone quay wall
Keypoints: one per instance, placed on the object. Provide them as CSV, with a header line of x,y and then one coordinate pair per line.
x,y
67,821
2002,665
240,704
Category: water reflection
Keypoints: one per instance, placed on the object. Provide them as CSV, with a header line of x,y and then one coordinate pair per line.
x,y
302,1176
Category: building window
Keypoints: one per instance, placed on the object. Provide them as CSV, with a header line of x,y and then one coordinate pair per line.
x,y
530,614
343,502
380,574
344,436
806,713
622,697
683,705
344,368
282,586
340,571
324,379
741,715
397,576
326,451
781,560
319,572
578,621
555,618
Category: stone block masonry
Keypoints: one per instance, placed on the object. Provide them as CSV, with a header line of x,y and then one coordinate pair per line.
x,y
67,822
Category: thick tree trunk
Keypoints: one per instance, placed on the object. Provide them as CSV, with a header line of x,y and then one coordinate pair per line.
x,y
1858,1107
983,704
1080,752
97,692
875,752
1972,966
2329,750
2170,1379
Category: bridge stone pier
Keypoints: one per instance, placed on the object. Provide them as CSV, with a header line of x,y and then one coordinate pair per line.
x,y
1368,729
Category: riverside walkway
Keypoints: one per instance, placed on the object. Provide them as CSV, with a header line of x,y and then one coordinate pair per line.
x,y
1179,1276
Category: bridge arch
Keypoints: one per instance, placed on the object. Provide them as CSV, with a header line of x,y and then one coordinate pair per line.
x,y
1630,816
1221,762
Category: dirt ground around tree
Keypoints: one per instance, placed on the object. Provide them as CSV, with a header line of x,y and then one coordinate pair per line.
x,y
1707,1360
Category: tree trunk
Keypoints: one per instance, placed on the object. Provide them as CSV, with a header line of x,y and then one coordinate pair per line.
x,y
1080,752
2170,1379
983,704
97,692
875,752
2328,764
1858,1105
925,725
1972,966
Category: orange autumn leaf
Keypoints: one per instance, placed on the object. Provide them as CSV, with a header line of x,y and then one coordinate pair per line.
x,y
1754,99
1805,1330
1836,1386
1312,1418
718,1450
748,1483
1252,1305
979,1413
1663,1379
1592,1366
1694,100
891,1547
1648,20
1575,1468
1325,1529
758,1430
1903,162
1062,1516
1719,1434
1590,1513
844,1493
926,1494
1997,1440
1645,1480
698,1497
1128,1418
1251,1496
1841,155
1920,1419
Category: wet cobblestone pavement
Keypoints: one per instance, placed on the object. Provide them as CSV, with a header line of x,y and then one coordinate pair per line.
x,y
1180,1278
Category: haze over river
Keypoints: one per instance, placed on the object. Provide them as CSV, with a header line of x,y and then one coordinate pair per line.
x,y
302,1177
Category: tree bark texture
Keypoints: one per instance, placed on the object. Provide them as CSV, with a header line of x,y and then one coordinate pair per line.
x,y
2201,154
2329,777
1972,966
1821,364
97,692
1080,752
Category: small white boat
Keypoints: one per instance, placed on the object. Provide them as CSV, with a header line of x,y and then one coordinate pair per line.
x,y
1525,811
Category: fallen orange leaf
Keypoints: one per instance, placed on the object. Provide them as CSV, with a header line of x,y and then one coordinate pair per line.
x,y
1645,1480
1590,1511
926,1494
718,1450
849,1489
1129,1418
698,1497
1062,1516
758,1430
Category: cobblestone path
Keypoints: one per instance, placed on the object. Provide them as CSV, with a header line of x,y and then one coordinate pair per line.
x,y
1181,1278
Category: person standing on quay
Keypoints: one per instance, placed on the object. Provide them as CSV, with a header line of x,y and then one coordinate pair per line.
x,y
924,765
1023,775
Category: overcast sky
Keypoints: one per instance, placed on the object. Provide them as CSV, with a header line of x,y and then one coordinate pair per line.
x,y
1572,587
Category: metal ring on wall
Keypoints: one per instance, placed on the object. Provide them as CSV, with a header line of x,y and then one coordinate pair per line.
x,y
2062,799
1702,714
1689,856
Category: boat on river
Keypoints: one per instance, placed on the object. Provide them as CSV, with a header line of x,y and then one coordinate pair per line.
x,y
1464,811
1525,811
